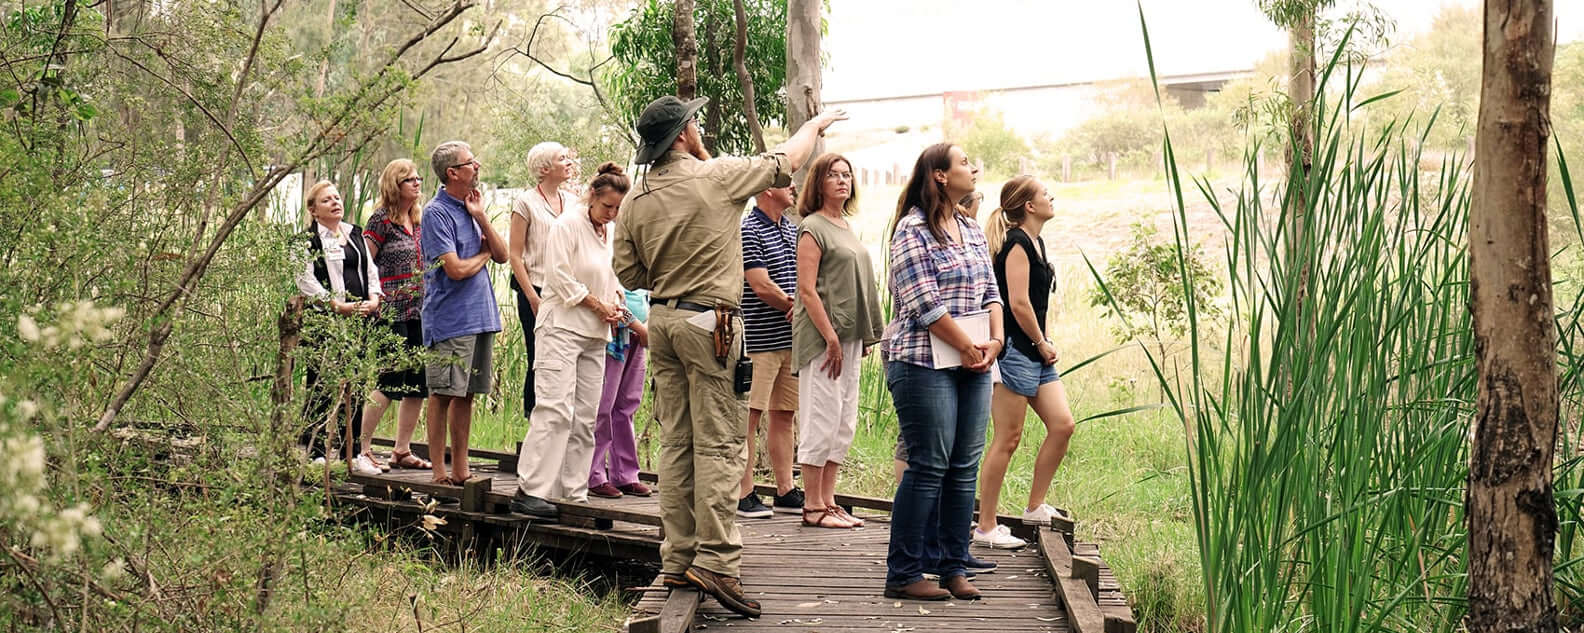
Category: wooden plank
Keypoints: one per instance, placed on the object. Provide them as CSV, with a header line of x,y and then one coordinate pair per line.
x,y
680,608
473,494
1087,569
1083,613
507,461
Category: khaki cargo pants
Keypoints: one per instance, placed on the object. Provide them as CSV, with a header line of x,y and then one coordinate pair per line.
x,y
702,455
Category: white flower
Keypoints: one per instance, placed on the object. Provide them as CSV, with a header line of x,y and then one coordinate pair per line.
x,y
114,570
26,409
27,328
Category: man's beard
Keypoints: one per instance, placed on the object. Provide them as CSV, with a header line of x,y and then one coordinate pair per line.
x,y
695,146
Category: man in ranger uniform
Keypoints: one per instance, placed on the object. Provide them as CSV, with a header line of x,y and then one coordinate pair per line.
x,y
679,235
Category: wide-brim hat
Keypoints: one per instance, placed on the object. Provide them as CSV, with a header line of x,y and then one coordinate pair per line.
x,y
661,123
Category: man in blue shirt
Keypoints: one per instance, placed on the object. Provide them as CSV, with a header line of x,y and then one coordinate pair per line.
x,y
769,281
460,318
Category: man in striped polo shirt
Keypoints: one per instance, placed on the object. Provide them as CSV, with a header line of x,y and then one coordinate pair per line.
x,y
769,279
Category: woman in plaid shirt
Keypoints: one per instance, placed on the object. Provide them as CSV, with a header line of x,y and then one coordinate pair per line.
x,y
940,272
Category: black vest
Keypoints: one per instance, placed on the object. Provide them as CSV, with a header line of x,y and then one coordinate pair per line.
x,y
354,269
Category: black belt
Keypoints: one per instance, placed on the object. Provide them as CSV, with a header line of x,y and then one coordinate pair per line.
x,y
686,305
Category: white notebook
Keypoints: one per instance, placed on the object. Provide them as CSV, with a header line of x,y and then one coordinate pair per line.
x,y
975,324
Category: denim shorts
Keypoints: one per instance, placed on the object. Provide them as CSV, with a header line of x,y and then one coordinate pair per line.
x,y
1024,375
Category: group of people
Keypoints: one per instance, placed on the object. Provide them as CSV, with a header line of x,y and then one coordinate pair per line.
x,y
669,267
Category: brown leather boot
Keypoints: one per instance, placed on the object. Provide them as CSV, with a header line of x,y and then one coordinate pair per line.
x,y
727,590
961,589
917,590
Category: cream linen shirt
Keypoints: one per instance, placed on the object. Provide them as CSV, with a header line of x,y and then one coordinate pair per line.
x,y
577,264
533,206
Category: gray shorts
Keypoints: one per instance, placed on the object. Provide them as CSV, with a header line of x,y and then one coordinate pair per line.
x,y
465,366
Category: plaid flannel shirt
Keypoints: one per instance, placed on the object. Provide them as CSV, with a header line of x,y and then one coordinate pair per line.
x,y
930,280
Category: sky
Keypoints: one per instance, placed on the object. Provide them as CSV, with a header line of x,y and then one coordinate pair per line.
x,y
932,46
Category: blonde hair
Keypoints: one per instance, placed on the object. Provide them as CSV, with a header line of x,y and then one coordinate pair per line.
x,y
312,195
390,189
1016,195
542,157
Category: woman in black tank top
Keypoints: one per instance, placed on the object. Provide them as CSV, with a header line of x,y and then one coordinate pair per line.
x,y
1027,366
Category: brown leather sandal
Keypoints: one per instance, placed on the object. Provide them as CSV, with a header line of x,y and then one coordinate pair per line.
x,y
405,459
823,513
844,514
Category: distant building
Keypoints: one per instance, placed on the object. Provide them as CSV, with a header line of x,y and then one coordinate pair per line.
x,y
1045,109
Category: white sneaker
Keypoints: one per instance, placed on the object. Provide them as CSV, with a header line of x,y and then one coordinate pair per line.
x,y
1043,514
999,538
362,465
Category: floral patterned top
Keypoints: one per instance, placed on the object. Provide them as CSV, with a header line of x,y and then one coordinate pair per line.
x,y
400,262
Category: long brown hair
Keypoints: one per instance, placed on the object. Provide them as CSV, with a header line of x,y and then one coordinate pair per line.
x,y
923,192
390,190
1016,195
813,198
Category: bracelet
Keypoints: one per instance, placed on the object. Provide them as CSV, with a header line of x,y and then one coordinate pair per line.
x,y
998,341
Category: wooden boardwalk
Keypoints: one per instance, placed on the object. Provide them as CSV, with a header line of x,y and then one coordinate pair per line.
x,y
810,578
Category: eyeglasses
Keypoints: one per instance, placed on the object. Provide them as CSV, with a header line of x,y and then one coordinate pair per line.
x,y
410,179
838,175
474,162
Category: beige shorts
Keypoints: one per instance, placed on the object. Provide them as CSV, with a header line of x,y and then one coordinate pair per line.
x,y
774,387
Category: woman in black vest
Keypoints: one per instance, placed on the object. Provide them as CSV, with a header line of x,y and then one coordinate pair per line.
x,y
1028,363
340,276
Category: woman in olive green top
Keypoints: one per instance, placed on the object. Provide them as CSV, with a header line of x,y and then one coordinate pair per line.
x,y
835,321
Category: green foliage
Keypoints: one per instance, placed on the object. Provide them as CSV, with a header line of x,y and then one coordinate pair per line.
x,y
1146,291
646,65
988,138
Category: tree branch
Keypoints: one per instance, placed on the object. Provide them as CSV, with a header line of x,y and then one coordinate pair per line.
x,y
364,100
527,51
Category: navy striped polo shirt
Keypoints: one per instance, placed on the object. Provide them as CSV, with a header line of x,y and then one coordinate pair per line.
x,y
773,247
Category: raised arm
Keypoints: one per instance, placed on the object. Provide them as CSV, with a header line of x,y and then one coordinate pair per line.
x,y
799,147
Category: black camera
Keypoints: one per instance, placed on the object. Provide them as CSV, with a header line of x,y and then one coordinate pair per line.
x,y
742,380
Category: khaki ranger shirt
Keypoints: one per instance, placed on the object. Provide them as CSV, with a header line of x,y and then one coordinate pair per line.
x,y
679,232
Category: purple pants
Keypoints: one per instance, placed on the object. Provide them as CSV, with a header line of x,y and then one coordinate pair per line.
x,y
613,428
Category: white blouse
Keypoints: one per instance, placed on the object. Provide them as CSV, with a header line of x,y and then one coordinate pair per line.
x,y
578,264
336,246
534,208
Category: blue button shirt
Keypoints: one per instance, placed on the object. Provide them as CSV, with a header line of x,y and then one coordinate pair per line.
x,y
453,308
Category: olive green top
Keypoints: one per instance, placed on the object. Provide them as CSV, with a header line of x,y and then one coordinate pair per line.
x,y
845,284
679,231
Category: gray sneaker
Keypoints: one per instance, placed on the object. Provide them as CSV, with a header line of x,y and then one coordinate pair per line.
x,y
750,507
791,502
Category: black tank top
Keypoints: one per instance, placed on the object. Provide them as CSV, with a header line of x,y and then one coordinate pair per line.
x,y
1041,275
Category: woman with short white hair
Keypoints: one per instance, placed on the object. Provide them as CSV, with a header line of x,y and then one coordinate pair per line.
x,y
533,213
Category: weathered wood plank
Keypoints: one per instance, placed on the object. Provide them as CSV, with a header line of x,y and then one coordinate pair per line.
x,y
1082,611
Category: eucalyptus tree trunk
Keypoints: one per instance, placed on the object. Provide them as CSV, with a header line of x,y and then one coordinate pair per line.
x,y
1301,86
686,43
803,83
1510,510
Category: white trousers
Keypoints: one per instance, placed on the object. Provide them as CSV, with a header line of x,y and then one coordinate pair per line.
x,y
828,407
569,373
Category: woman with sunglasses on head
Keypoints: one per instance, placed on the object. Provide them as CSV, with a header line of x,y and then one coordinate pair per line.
x,y
1024,276
392,237
836,318
940,275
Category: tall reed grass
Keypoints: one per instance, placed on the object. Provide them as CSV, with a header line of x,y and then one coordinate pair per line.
x,y
1327,437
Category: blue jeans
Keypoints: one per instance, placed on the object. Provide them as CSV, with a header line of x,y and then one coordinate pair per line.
x,y
942,413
